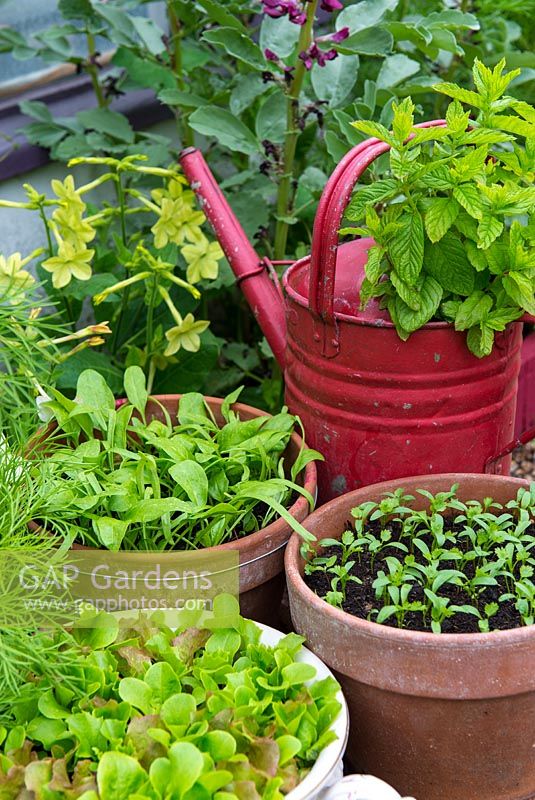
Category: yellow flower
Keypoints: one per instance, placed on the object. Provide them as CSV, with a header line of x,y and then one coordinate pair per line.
x,y
70,262
202,258
67,194
174,190
73,227
178,222
185,335
14,280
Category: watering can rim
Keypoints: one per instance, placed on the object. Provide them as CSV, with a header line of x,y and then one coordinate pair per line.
x,y
357,319
353,319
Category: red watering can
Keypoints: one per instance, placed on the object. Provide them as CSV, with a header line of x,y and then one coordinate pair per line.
x,y
376,407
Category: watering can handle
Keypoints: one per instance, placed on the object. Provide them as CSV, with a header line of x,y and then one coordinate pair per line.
x,y
332,205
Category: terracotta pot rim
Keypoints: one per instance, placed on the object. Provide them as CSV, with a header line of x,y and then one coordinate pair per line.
x,y
294,562
299,509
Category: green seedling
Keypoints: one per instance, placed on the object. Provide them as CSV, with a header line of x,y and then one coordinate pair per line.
x,y
449,549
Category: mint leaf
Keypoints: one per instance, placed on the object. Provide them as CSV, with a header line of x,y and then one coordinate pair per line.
x,y
473,311
488,230
480,340
403,121
440,216
464,95
519,287
470,199
501,317
407,293
448,264
372,194
406,248
374,129
374,265
476,256
430,297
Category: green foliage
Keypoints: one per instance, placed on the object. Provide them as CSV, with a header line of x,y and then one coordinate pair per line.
x,y
25,485
134,257
206,67
453,221
443,561
134,478
268,125
174,714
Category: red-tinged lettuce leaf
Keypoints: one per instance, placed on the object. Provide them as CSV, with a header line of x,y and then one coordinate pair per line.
x,y
146,748
188,642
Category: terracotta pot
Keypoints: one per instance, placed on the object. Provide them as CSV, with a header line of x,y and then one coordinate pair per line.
x,y
261,554
442,717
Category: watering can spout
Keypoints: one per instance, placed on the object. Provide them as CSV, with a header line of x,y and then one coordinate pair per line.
x,y
258,279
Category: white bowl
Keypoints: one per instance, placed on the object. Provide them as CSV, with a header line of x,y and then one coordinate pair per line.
x,y
330,756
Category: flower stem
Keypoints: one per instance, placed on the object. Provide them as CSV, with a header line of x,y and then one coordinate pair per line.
x,y
125,297
92,70
47,230
184,130
150,316
284,192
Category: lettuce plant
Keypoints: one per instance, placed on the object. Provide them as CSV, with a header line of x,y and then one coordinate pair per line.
x,y
421,568
137,482
453,218
161,714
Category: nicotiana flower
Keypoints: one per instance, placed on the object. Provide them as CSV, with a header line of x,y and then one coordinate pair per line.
x,y
14,280
68,217
202,259
178,222
67,194
72,226
68,263
185,334
174,190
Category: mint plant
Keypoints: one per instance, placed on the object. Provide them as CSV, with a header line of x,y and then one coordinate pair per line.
x,y
467,568
164,714
453,218
134,481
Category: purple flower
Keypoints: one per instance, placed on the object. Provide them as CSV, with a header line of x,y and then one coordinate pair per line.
x,y
270,55
331,5
315,54
281,8
340,35
306,58
273,8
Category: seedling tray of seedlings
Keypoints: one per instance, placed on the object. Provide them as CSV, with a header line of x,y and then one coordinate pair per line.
x,y
452,567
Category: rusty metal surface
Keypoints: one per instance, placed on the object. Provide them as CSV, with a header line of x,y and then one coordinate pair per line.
x,y
442,717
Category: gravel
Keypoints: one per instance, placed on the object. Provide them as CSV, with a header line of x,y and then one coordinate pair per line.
x,y
523,465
